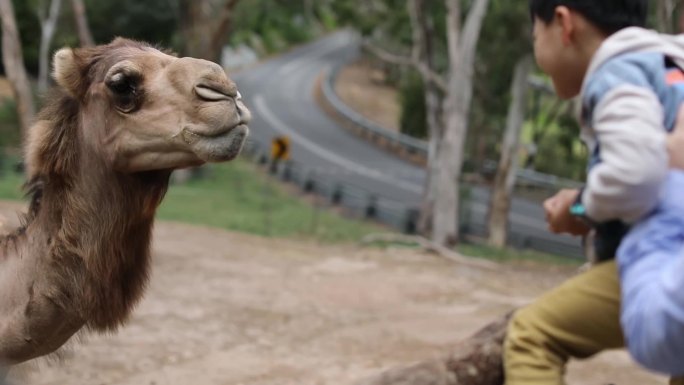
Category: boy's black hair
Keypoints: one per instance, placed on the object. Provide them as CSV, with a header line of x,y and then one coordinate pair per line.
x,y
609,16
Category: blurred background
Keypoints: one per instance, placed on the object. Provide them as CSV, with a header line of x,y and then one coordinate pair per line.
x,y
384,132
380,103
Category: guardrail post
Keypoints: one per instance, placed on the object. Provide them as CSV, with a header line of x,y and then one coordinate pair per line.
x,y
263,159
309,185
336,196
372,207
287,172
411,224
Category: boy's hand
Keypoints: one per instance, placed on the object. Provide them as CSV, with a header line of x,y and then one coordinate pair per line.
x,y
558,214
675,142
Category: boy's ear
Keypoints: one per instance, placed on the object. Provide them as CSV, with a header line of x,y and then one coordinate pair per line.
x,y
564,17
66,71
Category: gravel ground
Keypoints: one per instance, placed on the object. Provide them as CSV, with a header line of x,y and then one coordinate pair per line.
x,y
226,308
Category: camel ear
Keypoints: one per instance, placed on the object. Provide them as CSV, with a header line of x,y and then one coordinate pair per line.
x,y
66,71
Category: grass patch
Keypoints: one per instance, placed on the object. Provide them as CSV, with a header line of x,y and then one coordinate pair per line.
x,y
238,196
10,181
512,255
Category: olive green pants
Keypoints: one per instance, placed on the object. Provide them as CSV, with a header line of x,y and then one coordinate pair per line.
x,y
576,320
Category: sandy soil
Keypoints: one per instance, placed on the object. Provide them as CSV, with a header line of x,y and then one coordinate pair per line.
x,y
226,308
360,87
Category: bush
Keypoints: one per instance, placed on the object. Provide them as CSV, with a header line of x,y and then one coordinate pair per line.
x,y
413,111
10,133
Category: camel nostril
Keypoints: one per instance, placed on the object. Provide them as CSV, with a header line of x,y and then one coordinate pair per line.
x,y
212,93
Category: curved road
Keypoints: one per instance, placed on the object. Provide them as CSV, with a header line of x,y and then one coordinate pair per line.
x,y
280,93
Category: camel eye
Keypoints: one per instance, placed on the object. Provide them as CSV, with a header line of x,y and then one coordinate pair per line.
x,y
126,90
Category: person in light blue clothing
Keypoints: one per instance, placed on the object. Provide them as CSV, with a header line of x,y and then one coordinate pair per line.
x,y
651,267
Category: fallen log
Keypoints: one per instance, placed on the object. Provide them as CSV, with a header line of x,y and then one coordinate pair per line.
x,y
477,360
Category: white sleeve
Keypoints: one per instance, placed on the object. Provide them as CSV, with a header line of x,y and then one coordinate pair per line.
x,y
625,185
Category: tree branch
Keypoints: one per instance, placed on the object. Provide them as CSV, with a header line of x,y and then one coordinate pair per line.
x,y
225,21
401,60
431,247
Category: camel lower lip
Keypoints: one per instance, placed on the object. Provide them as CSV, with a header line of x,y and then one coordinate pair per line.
x,y
217,147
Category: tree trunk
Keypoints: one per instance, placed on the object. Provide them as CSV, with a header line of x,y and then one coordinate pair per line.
x,y
81,18
423,29
221,31
477,360
462,52
508,163
664,15
13,60
205,26
433,103
48,25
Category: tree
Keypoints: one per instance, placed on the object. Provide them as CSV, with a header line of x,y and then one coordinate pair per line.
x,y
13,61
462,52
205,25
448,102
48,14
81,18
665,15
504,181
423,54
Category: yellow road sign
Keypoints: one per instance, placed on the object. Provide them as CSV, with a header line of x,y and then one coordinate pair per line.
x,y
280,148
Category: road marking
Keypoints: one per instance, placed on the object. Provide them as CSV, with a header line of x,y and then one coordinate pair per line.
x,y
335,44
278,125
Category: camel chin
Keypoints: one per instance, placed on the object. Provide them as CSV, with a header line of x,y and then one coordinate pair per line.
x,y
219,147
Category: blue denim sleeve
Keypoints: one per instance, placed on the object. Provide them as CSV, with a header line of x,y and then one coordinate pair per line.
x,y
651,265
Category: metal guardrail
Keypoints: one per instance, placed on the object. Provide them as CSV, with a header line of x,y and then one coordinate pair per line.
x,y
364,204
372,129
413,146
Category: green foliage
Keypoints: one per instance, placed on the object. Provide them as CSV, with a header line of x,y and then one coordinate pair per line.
x,y
510,255
505,38
413,110
560,151
278,24
10,182
327,17
29,29
9,124
154,21
238,197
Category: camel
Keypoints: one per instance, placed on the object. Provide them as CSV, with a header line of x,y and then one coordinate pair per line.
x,y
98,161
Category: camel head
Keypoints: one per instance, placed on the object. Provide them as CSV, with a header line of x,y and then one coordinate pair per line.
x,y
142,109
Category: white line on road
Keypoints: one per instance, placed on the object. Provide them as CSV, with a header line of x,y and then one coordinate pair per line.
x,y
278,125
335,44
281,127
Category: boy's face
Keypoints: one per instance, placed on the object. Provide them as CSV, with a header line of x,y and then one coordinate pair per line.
x,y
556,53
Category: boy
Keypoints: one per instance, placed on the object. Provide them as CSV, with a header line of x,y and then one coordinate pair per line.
x,y
627,81
651,264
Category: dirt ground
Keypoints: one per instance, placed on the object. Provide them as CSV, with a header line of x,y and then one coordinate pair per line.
x,y
361,87
225,308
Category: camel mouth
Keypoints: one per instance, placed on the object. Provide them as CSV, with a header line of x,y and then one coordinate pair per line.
x,y
220,146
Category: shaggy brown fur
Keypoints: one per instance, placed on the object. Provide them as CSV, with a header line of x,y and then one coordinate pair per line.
x,y
89,224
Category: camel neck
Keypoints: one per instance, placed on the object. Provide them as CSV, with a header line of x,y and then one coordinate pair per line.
x,y
99,225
